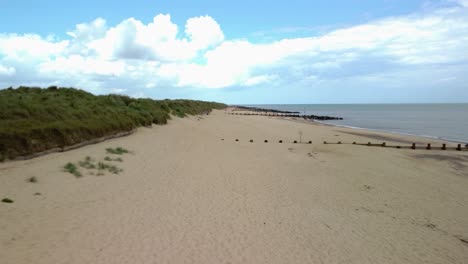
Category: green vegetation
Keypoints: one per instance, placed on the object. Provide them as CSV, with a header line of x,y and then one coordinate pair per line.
x,y
117,151
87,163
7,200
71,168
107,158
34,119
111,168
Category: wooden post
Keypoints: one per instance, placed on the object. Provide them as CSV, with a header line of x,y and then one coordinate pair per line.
x,y
354,143
384,144
295,141
339,142
459,147
444,146
281,141
310,142
413,146
428,146
266,141
251,140
237,139
324,142
368,143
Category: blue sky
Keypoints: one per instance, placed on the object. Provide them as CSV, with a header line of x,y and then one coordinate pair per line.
x,y
239,19
387,51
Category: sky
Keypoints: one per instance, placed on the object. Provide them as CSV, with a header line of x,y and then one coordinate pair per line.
x,y
241,52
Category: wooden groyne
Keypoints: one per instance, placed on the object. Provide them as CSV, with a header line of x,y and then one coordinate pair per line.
x,y
282,114
257,109
413,146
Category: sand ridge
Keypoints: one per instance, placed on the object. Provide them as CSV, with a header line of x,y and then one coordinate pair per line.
x,y
190,193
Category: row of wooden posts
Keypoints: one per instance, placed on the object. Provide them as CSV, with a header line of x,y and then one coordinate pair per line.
x,y
413,145
384,144
279,141
265,114
291,115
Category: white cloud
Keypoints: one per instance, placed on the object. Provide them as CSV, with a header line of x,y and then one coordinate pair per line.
x,y
7,71
256,80
462,2
89,31
77,65
203,32
29,46
131,39
158,54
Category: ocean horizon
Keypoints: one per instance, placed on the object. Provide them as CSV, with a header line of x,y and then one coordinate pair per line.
x,y
444,121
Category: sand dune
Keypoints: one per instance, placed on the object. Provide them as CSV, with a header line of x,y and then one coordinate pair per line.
x,y
190,193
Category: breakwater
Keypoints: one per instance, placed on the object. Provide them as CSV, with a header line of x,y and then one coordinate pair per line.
x,y
249,111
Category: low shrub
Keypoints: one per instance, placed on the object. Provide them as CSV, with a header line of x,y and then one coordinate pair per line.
x,y
34,119
117,151
87,163
71,168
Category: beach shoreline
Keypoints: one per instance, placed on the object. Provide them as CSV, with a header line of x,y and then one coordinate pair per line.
x,y
441,139
440,121
370,133
198,190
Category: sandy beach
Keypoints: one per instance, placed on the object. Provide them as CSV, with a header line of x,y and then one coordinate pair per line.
x,y
190,193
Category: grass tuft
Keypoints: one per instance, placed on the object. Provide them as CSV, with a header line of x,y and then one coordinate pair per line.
x,y
111,168
90,164
87,163
71,168
117,151
107,158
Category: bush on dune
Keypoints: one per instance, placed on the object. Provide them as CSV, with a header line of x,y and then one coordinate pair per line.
x,y
35,119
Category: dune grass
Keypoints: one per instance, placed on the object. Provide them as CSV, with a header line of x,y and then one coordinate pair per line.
x,y
87,163
117,151
110,168
34,119
71,168
107,158
93,167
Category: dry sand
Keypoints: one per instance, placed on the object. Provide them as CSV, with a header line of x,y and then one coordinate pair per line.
x,y
187,196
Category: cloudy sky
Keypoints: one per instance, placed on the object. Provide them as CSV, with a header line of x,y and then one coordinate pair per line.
x,y
354,51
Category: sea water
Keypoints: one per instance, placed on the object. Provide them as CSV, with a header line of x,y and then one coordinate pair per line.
x,y
442,121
